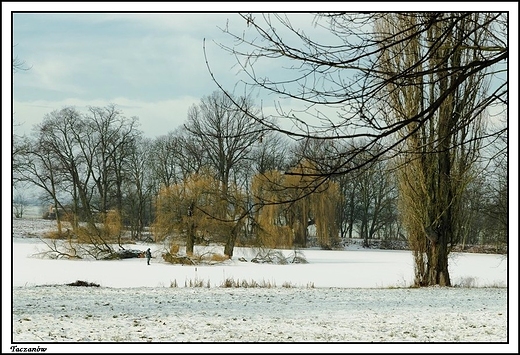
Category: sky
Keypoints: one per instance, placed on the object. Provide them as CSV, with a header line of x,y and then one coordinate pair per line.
x,y
150,65
148,58
354,294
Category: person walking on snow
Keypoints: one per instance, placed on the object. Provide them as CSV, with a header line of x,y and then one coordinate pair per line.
x,y
148,256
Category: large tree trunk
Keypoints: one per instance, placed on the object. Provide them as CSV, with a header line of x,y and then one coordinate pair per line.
x,y
190,238
230,243
437,273
190,235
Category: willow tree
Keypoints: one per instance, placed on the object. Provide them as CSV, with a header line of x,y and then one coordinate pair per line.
x,y
287,204
188,209
323,212
437,156
337,79
177,208
316,200
270,228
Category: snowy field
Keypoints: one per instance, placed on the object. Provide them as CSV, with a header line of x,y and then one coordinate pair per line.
x,y
356,300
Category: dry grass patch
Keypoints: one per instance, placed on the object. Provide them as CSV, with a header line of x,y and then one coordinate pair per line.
x,y
232,283
193,259
57,235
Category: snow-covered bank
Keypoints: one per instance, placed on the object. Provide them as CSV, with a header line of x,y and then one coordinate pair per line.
x,y
81,314
345,298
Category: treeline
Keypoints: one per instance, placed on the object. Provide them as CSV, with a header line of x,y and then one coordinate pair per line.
x,y
224,178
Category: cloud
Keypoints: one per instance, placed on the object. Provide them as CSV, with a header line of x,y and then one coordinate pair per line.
x,y
53,74
139,56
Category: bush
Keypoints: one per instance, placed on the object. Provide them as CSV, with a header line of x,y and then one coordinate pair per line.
x,y
125,254
394,244
277,257
176,259
218,257
270,257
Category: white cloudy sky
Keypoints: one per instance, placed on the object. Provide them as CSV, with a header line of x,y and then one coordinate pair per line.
x,y
151,65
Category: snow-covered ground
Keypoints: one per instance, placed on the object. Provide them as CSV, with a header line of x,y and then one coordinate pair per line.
x,y
340,301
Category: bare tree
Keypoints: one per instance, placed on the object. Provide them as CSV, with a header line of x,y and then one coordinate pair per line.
x,y
137,187
19,204
163,158
37,165
50,161
82,161
271,153
362,71
346,75
226,134
494,211
105,149
375,194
